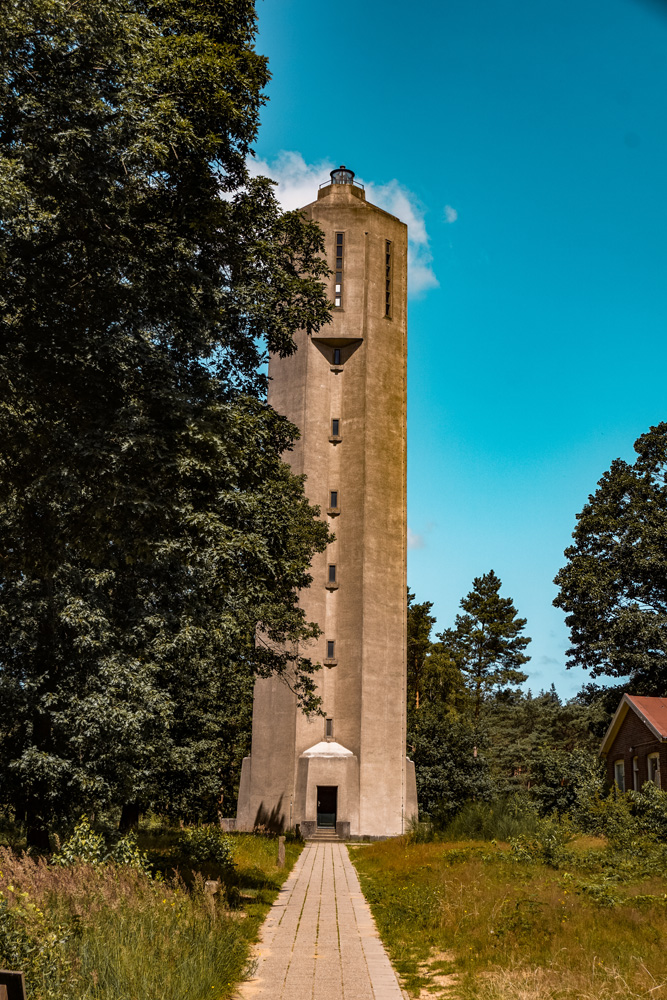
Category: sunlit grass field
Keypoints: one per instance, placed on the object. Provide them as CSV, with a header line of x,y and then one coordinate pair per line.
x,y
482,921
112,932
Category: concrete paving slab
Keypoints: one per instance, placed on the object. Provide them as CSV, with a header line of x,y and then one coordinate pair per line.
x,y
319,941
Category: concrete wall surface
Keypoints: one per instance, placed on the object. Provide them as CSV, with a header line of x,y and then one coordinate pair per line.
x,y
363,687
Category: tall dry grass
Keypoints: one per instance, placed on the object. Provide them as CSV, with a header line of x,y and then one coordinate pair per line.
x,y
510,926
103,931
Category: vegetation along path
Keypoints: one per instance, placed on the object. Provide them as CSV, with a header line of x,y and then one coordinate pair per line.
x,y
319,940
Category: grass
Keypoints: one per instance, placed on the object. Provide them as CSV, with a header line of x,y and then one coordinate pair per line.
x,y
501,819
97,932
480,921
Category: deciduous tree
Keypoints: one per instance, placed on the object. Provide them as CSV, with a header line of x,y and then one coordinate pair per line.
x,y
420,623
613,587
449,763
149,530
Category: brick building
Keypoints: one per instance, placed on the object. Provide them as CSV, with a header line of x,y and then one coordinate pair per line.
x,y
635,745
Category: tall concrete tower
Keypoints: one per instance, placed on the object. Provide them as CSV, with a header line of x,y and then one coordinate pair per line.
x,y
346,391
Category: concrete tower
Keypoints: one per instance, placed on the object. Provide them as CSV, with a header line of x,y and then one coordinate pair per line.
x,y
346,391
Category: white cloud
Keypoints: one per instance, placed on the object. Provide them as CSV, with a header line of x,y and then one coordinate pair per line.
x,y
451,215
298,182
400,201
415,541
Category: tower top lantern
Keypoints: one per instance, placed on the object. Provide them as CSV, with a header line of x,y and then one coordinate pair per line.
x,y
341,175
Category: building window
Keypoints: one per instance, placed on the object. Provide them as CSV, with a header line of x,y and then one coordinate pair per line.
x,y
653,762
336,356
619,774
332,573
335,428
331,649
387,278
338,287
328,730
635,773
333,499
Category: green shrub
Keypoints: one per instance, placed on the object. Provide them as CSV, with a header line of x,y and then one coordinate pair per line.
x,y
547,843
627,821
37,945
501,819
202,844
422,831
90,847
83,845
649,807
449,761
563,781
126,852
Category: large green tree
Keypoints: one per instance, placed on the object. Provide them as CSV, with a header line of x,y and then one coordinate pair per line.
x,y
440,740
535,743
486,641
149,530
613,587
442,683
451,768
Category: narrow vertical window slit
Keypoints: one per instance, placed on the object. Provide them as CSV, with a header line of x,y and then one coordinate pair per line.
x,y
387,278
338,284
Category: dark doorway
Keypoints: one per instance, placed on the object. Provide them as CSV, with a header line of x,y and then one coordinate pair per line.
x,y
327,803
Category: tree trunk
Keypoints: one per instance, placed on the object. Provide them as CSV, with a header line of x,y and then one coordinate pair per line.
x,y
129,817
37,825
37,835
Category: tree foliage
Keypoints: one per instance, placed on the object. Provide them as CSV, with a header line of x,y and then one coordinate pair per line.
x,y
450,766
542,747
442,681
420,623
486,640
519,723
473,735
149,529
614,585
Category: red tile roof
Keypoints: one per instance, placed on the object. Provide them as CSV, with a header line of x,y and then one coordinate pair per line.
x,y
654,711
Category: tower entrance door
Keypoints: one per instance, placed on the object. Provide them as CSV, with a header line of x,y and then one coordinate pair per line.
x,y
327,804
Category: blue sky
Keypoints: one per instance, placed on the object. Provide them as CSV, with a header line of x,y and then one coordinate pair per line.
x,y
525,143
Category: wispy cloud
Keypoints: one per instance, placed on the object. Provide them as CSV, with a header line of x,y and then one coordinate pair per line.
x,y
402,202
298,182
451,215
415,541
548,661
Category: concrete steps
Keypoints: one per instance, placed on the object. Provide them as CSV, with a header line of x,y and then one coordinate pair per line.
x,y
323,837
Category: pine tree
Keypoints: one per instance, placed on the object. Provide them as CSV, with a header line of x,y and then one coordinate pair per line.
x,y
486,641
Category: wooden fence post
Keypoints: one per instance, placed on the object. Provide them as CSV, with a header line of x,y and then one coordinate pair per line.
x,y
12,985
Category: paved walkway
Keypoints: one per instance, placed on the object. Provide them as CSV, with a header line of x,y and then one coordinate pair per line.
x,y
319,940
